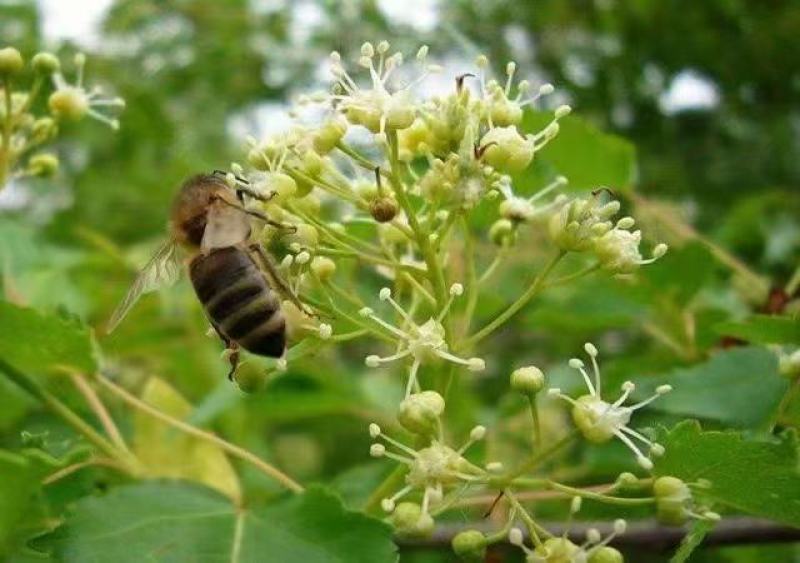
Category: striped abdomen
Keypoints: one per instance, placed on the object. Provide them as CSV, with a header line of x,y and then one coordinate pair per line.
x,y
239,301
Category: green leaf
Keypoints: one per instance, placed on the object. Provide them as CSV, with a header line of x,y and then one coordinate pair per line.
x,y
740,387
178,522
586,156
20,511
167,452
681,273
763,329
757,477
35,342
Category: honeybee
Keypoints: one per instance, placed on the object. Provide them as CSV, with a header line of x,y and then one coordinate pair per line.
x,y
232,275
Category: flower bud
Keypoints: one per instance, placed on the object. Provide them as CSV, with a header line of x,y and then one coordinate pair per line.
x,y
383,209
331,132
470,545
250,380
672,499
10,61
45,63
323,267
409,521
419,413
305,235
556,550
606,555
43,130
527,380
501,232
507,150
43,164
282,185
310,204
517,209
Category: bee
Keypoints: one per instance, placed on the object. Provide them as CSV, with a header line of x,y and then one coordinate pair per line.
x,y
233,276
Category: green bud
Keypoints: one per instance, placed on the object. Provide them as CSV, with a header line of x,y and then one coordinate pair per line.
x,y
673,497
283,185
557,550
323,267
310,204
409,521
527,380
419,413
44,129
501,232
305,235
45,63
606,555
470,545
43,164
250,380
331,132
10,61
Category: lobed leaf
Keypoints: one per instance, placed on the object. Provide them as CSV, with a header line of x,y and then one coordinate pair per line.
x,y
178,522
35,342
585,155
740,387
753,476
763,329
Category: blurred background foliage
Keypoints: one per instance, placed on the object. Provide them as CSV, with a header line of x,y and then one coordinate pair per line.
x,y
707,93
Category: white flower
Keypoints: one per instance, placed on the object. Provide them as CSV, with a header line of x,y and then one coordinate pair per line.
x,y
72,101
423,342
431,469
600,421
378,108
521,209
618,249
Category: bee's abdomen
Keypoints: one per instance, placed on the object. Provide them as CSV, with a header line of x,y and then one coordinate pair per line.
x,y
239,301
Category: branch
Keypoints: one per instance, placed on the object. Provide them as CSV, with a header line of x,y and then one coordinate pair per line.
x,y
644,534
232,449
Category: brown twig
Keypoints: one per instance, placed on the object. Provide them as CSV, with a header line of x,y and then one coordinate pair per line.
x,y
232,449
99,409
645,534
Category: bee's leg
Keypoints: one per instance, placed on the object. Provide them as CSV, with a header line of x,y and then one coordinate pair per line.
x,y
231,350
233,358
258,215
275,277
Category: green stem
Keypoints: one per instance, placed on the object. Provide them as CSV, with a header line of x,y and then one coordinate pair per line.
x,y
534,529
600,497
533,290
537,428
435,272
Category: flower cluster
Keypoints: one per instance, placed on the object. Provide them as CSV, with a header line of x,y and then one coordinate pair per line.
x,y
23,131
377,183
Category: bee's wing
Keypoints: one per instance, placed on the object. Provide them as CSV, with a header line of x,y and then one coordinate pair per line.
x,y
226,225
162,270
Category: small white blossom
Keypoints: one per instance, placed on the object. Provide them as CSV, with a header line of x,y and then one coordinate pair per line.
x,y
379,107
422,342
600,421
431,469
73,101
